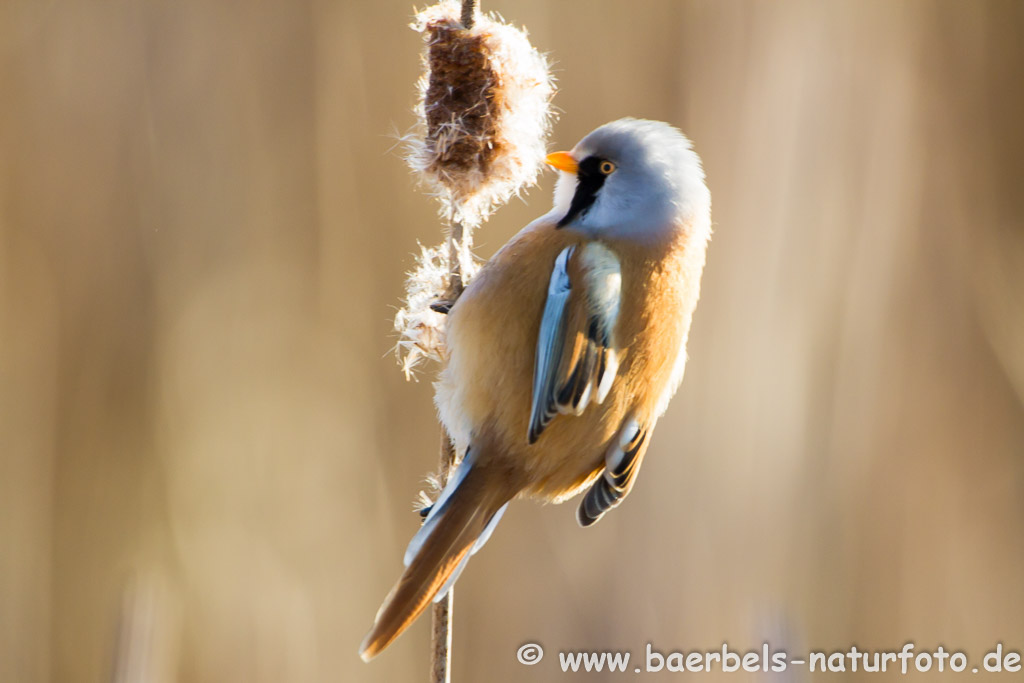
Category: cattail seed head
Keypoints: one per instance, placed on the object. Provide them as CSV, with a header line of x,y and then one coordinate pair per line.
x,y
484,113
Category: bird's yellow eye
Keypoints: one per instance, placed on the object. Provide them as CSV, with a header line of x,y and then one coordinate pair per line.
x,y
606,167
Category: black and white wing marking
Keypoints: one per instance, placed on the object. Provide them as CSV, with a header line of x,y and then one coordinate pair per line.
x,y
622,464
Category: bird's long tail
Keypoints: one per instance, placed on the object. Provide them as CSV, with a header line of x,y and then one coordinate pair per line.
x,y
459,523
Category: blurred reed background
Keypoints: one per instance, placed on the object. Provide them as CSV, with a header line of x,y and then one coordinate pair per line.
x,y
208,454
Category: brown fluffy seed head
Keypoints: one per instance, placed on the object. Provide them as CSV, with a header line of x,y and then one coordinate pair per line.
x,y
461,102
484,113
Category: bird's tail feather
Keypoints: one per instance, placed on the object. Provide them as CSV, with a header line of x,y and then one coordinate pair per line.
x,y
458,525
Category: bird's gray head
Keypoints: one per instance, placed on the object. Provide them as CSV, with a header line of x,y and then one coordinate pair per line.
x,y
631,178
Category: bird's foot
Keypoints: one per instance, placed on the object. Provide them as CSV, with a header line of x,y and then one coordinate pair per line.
x,y
442,306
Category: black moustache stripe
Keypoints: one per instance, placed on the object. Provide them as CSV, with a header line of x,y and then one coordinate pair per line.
x,y
589,180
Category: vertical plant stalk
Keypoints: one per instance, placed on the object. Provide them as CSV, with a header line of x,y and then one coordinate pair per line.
x,y
456,243
468,13
442,612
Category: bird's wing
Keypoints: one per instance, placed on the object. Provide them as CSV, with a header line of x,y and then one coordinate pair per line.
x,y
575,358
621,465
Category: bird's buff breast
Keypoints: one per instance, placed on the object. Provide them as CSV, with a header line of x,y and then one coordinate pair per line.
x,y
484,393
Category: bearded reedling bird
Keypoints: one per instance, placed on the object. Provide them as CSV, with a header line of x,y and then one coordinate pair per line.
x,y
564,350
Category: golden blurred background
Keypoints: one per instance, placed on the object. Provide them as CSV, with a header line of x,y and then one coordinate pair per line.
x,y
208,454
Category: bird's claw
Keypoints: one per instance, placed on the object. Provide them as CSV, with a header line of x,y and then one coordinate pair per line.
x,y
442,306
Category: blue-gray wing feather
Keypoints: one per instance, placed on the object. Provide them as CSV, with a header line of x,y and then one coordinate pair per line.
x,y
575,359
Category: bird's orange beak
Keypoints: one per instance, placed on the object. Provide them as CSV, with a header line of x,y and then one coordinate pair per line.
x,y
563,161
